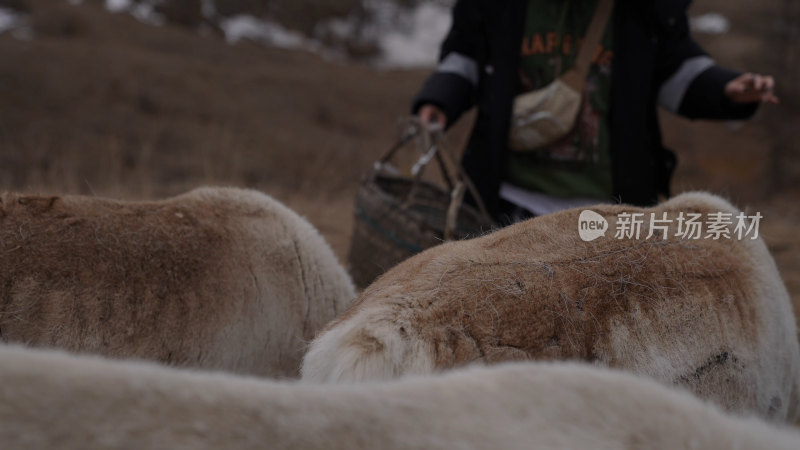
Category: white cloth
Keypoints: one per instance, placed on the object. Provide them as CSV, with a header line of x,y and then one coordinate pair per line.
x,y
541,204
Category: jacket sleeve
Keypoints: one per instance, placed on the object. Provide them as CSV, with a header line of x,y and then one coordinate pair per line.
x,y
691,84
453,86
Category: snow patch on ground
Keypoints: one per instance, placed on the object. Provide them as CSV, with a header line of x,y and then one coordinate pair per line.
x,y
9,19
416,43
118,6
241,27
403,37
710,23
143,11
15,23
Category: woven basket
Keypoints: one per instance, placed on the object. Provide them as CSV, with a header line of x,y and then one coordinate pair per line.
x,y
397,217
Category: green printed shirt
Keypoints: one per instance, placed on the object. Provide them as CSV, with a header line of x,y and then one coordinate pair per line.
x,y
580,164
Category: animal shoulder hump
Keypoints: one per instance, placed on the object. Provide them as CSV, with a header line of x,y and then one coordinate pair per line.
x,y
700,200
238,201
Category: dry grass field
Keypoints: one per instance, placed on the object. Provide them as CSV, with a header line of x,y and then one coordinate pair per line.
x,y
100,104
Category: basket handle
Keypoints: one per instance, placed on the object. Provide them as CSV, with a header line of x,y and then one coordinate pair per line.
x,y
462,177
380,164
456,198
458,181
429,142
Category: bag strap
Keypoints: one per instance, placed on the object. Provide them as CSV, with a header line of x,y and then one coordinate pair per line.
x,y
594,35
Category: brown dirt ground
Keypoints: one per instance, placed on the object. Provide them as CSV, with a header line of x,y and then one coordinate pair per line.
x,y
100,104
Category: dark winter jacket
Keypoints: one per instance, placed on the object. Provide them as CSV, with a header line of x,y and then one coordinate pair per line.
x,y
653,55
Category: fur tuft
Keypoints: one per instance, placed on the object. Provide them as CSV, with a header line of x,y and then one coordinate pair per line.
x,y
361,350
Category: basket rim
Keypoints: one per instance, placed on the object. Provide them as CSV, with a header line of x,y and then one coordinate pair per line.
x,y
373,185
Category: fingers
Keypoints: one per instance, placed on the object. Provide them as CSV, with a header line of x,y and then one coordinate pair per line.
x,y
750,88
765,85
431,115
740,89
745,81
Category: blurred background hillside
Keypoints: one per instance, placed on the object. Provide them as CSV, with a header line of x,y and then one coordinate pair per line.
x,y
149,98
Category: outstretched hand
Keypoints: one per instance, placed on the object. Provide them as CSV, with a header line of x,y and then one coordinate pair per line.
x,y
751,88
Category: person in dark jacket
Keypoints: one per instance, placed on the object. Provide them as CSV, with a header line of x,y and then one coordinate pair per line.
x,y
496,50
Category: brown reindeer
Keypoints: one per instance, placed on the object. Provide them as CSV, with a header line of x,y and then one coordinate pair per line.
x,y
217,278
712,315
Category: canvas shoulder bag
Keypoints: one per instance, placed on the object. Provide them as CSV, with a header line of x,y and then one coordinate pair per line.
x,y
544,116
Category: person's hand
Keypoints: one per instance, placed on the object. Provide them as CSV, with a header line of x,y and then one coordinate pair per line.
x,y
751,88
431,115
